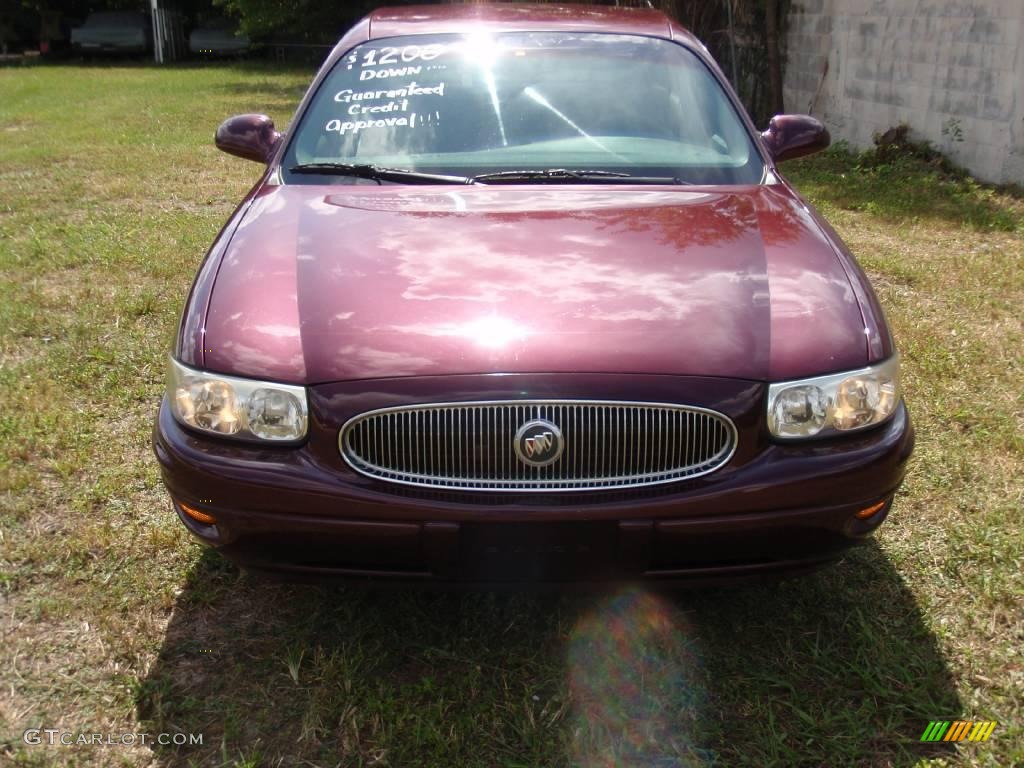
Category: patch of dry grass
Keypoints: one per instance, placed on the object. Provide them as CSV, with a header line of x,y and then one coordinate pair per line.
x,y
112,621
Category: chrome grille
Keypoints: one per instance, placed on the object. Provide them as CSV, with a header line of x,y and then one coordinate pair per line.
x,y
470,446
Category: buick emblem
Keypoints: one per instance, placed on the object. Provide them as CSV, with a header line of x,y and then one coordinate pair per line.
x,y
539,443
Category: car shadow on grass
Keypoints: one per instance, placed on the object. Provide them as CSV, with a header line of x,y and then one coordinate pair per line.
x,y
835,668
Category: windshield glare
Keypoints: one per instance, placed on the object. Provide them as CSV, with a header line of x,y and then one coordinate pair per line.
x,y
469,105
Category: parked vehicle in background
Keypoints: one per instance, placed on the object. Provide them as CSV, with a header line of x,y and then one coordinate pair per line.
x,y
114,32
218,37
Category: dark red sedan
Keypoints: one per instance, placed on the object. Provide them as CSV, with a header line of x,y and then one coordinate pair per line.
x,y
521,295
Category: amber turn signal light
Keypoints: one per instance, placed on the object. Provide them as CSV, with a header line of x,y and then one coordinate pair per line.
x,y
204,518
864,514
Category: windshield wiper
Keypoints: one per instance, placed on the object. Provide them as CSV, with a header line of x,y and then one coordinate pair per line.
x,y
568,176
378,174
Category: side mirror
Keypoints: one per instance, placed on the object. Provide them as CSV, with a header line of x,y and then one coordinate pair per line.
x,y
250,136
790,136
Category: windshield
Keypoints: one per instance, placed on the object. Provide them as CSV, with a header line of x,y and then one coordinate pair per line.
x,y
471,105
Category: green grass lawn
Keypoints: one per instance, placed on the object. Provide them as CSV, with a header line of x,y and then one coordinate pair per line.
x,y
112,620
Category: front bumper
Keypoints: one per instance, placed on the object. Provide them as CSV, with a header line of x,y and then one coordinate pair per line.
x,y
302,511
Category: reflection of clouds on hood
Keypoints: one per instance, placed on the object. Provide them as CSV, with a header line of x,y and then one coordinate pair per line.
x,y
487,331
411,281
269,360
378,363
805,293
601,287
637,684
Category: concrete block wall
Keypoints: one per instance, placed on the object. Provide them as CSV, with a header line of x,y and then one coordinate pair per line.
x,y
953,70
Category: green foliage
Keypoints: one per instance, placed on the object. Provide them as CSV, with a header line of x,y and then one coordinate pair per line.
x,y
742,38
306,21
113,190
896,144
904,180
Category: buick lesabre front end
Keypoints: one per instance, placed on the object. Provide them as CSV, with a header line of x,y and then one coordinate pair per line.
x,y
542,309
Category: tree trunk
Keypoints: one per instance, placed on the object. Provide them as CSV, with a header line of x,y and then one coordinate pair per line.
x,y
771,27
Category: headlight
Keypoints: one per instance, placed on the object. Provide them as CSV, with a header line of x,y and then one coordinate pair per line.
x,y
234,407
833,404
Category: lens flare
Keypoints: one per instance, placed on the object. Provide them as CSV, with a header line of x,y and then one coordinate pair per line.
x,y
636,683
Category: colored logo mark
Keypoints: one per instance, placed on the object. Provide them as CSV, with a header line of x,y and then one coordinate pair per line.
x,y
958,730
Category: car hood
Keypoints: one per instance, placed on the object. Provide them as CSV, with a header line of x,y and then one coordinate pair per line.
x,y
328,283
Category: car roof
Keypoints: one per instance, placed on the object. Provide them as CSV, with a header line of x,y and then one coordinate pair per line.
x,y
434,19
